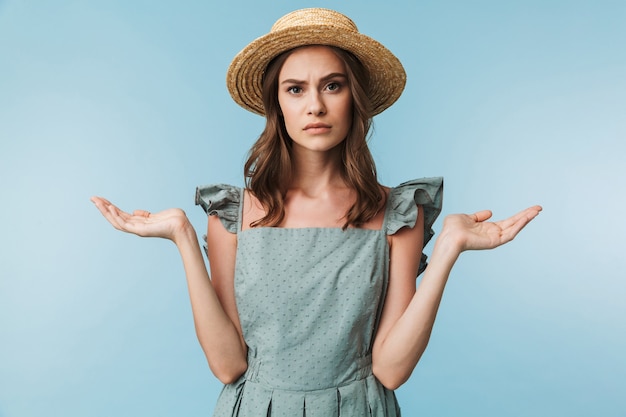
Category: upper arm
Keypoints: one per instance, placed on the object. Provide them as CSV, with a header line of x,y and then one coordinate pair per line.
x,y
222,251
405,248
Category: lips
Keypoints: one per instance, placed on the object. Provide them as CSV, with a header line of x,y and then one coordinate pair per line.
x,y
312,126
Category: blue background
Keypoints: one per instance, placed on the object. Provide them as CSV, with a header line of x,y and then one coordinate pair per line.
x,y
515,103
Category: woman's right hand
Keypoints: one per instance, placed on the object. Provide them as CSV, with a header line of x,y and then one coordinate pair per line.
x,y
167,224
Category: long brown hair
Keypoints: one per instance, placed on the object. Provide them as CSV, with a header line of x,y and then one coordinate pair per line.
x,y
268,170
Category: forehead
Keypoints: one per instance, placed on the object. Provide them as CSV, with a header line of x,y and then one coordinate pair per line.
x,y
312,60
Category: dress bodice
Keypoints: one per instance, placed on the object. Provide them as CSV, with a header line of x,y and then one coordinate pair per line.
x,y
309,301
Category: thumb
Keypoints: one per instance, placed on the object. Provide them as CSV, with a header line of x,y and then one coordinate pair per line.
x,y
142,213
481,216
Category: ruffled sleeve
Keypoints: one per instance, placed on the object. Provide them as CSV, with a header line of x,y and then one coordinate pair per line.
x,y
402,207
223,201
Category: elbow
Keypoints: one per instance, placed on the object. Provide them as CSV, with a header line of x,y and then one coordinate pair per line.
x,y
228,378
391,382
227,363
228,373
391,379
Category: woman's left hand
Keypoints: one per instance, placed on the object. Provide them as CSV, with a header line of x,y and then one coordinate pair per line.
x,y
474,232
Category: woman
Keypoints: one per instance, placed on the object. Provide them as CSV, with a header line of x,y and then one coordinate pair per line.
x,y
312,307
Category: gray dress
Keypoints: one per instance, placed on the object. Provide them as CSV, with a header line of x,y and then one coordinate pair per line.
x,y
309,300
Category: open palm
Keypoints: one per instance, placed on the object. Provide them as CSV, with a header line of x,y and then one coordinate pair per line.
x,y
474,232
165,224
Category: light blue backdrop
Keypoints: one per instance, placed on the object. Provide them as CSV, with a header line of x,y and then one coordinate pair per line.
x,y
515,103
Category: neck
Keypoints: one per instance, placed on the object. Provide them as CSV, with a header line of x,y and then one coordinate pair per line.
x,y
317,172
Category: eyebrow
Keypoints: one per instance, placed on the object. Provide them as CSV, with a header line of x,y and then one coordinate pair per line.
x,y
323,79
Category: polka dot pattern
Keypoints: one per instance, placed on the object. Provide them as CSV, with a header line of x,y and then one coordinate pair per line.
x,y
309,300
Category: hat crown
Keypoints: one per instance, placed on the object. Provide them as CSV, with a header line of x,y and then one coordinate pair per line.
x,y
314,17
314,26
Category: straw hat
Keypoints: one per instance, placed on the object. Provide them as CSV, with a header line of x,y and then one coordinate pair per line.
x,y
314,27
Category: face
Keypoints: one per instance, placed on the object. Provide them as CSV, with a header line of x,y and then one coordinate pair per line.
x,y
315,99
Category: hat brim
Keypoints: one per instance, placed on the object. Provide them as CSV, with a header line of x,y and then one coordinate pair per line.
x,y
244,78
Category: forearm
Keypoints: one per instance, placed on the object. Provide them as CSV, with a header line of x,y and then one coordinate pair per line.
x,y
219,337
221,342
397,355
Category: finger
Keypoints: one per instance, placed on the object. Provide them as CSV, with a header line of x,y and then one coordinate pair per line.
x,y
481,216
113,215
521,220
511,232
528,214
101,200
123,221
141,213
102,205
120,219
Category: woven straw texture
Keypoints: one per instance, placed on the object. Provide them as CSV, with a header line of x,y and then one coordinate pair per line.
x,y
314,27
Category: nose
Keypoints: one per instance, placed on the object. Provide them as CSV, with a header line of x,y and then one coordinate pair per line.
x,y
316,104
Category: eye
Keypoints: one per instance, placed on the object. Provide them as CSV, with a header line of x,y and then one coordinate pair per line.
x,y
333,86
294,89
